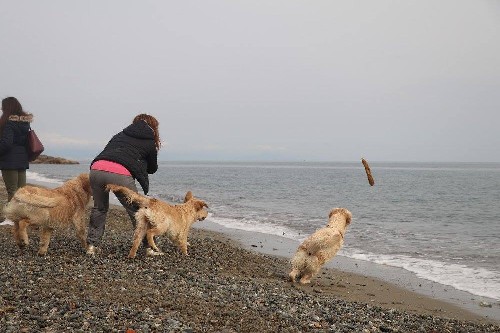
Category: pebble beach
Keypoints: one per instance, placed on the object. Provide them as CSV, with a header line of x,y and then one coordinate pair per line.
x,y
219,287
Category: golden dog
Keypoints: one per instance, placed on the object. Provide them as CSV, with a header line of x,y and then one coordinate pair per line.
x,y
320,247
50,209
156,217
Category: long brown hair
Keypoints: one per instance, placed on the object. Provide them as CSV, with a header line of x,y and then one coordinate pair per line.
x,y
153,123
10,106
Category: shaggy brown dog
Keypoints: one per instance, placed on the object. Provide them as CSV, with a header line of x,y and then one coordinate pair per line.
x,y
320,247
50,209
156,217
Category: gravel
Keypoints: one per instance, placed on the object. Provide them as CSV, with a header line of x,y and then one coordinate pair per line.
x,y
219,287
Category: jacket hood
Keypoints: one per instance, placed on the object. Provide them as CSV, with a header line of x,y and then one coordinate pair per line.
x,y
25,119
139,130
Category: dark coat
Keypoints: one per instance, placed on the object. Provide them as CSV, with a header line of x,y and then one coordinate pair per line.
x,y
13,143
135,149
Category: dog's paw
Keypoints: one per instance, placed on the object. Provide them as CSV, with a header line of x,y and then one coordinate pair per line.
x,y
150,253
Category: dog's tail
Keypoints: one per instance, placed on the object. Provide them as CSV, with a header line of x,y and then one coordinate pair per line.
x,y
129,195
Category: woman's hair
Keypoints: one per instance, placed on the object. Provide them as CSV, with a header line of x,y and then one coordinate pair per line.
x,y
10,107
153,123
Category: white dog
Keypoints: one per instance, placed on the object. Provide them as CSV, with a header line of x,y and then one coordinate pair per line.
x,y
320,247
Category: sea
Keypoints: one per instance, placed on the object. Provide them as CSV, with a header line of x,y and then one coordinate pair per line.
x,y
440,221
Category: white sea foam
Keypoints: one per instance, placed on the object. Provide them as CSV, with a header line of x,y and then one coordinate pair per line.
x,y
255,226
38,178
477,281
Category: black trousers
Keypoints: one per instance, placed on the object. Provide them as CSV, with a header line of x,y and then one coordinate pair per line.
x,y
98,181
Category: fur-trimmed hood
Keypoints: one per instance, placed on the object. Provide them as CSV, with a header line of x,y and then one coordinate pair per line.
x,y
26,119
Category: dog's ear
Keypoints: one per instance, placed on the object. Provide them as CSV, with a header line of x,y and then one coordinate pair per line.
x,y
188,197
348,216
331,212
198,205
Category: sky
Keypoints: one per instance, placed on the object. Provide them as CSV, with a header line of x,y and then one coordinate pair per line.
x,y
282,80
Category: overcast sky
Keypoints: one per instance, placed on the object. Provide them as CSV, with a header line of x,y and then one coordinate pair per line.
x,y
261,80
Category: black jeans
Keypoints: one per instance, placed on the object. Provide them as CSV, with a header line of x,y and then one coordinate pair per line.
x,y
98,181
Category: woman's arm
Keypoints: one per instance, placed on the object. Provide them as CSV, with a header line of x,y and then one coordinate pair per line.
x,y
7,139
152,160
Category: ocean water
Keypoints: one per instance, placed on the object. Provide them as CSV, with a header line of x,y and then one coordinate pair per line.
x,y
440,221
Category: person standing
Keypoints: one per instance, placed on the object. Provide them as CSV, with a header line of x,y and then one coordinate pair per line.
x,y
130,155
14,128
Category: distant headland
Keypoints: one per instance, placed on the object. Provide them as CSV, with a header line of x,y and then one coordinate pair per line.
x,y
45,159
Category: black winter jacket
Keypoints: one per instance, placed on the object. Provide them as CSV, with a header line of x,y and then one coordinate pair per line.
x,y
135,149
13,143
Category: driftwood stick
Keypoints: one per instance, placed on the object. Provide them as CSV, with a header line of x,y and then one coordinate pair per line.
x,y
368,172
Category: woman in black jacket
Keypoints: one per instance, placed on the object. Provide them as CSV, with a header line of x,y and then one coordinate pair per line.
x,y
129,155
14,127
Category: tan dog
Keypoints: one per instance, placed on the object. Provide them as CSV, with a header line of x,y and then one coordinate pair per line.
x,y
156,217
50,209
320,247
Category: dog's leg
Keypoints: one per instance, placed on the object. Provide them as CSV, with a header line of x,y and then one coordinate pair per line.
x,y
15,232
183,244
21,233
153,250
306,278
293,274
299,264
312,267
140,232
81,231
135,245
151,241
45,234
184,248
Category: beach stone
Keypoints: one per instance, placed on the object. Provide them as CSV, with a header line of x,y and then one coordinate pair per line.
x,y
485,305
220,287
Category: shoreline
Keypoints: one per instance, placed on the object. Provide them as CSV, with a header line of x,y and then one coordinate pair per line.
x,y
408,292
232,280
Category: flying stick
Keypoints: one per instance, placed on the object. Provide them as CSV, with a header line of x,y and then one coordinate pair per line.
x,y
368,172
